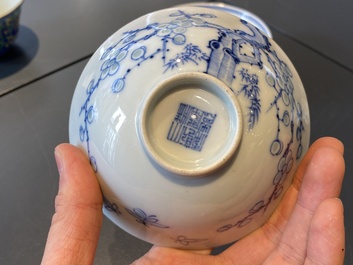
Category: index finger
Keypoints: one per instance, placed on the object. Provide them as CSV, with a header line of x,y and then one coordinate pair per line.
x,y
321,142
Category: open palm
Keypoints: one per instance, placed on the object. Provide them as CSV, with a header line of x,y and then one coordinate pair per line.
x,y
306,228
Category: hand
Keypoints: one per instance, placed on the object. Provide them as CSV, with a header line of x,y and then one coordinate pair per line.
x,y
306,228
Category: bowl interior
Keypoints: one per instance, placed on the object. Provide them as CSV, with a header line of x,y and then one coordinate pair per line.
x,y
7,6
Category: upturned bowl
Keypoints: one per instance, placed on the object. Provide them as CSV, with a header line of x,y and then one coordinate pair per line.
x,y
10,11
194,121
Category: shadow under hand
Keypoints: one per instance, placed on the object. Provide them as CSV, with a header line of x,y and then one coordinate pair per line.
x,y
20,54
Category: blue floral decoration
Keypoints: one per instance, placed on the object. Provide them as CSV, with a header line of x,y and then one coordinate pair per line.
x,y
145,219
111,207
185,241
220,58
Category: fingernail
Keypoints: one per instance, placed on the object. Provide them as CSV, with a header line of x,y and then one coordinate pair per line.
x,y
58,160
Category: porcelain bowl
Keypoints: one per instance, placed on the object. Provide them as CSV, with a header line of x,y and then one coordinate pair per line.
x,y
9,23
194,121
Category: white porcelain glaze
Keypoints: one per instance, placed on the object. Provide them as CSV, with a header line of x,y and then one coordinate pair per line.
x,y
209,151
242,122
8,6
236,11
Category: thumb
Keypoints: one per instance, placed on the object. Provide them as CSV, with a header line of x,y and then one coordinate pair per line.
x,y
76,224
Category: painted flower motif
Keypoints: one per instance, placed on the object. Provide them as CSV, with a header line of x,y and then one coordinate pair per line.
x,y
109,68
285,165
185,241
111,207
143,218
220,59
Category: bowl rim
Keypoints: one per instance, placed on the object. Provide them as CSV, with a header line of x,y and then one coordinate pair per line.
x,y
235,11
14,4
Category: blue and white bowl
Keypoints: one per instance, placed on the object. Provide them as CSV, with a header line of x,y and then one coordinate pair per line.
x,y
9,23
194,121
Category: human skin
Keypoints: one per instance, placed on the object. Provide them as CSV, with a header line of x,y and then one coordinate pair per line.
x,y
306,228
